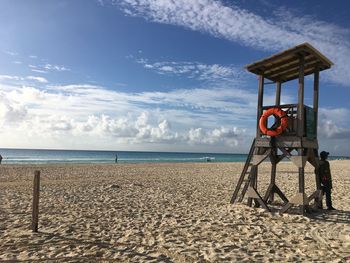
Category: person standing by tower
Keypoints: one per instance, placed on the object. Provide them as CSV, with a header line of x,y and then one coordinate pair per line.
x,y
324,172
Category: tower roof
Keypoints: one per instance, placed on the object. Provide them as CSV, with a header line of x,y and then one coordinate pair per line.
x,y
284,66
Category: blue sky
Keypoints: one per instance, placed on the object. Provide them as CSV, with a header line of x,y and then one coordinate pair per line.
x,y
160,75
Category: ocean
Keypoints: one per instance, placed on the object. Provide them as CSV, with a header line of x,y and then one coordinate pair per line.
x,y
29,156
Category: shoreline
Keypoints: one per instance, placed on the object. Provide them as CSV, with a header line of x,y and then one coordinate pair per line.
x,y
342,159
123,162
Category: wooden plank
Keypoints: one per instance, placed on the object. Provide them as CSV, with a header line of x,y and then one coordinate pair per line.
x,y
284,106
316,89
307,71
288,138
294,73
286,207
268,193
289,144
274,189
309,144
301,173
318,54
283,64
311,158
276,58
301,169
280,158
273,155
301,185
260,104
278,93
300,116
259,158
253,194
273,180
262,142
285,152
243,174
35,212
244,190
312,196
278,191
282,74
253,174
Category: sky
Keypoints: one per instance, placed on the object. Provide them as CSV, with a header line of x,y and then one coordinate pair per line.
x,y
160,75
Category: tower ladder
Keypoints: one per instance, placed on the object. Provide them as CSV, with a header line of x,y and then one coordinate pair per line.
x,y
245,177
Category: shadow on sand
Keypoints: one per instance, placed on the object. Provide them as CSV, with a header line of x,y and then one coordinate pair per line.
x,y
333,216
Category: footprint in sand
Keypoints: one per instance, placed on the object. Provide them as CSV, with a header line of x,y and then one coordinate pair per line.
x,y
334,236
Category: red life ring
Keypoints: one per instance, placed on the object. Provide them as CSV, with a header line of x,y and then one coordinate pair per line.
x,y
276,112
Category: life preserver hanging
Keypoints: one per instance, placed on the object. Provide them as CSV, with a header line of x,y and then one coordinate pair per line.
x,y
277,113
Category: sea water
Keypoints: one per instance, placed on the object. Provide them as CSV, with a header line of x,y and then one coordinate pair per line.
x,y
30,156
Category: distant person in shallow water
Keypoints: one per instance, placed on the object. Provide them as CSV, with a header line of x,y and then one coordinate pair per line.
x,y
324,172
116,158
0,158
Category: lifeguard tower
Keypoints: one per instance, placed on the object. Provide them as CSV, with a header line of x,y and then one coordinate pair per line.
x,y
293,134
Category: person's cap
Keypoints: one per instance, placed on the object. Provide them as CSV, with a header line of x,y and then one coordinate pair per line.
x,y
324,154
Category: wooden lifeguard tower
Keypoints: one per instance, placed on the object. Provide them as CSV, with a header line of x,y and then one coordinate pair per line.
x,y
295,139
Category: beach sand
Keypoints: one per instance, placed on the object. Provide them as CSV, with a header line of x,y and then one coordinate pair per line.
x,y
164,213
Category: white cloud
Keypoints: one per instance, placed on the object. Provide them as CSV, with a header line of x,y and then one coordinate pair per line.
x,y
8,77
55,67
19,78
222,135
88,116
38,70
11,112
11,53
38,79
245,27
333,130
334,123
101,2
70,114
47,68
195,70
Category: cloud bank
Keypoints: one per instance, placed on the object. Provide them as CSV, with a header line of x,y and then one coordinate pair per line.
x,y
79,116
82,116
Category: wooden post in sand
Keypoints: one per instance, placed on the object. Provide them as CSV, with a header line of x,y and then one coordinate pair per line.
x,y
36,189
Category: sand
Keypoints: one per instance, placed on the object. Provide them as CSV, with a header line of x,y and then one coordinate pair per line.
x,y
164,213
